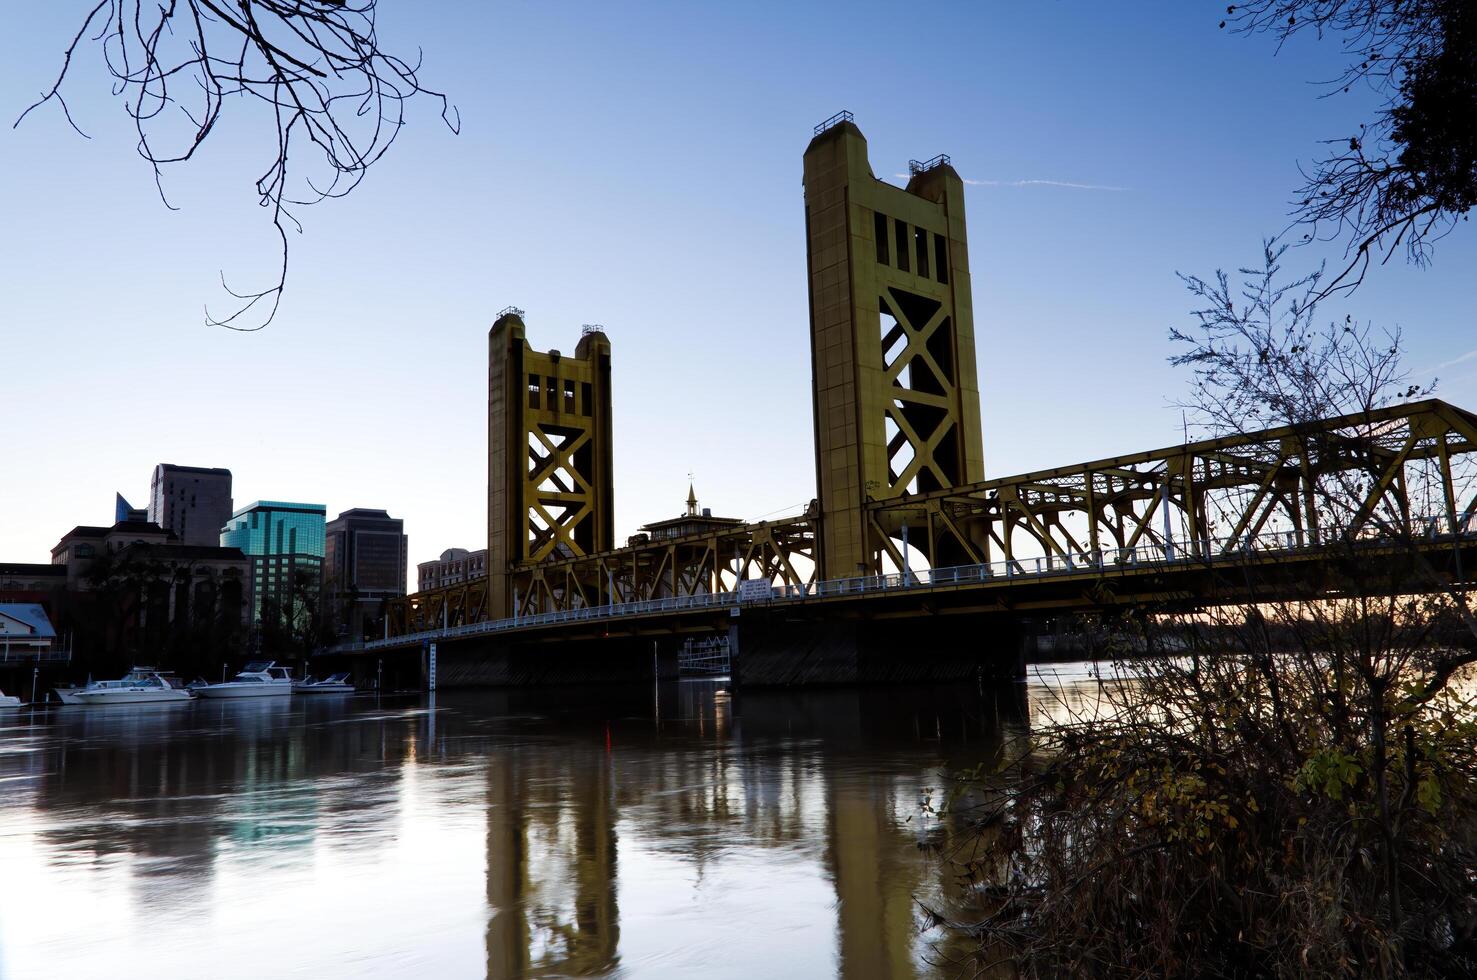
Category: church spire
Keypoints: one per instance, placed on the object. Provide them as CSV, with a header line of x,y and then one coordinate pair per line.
x,y
691,499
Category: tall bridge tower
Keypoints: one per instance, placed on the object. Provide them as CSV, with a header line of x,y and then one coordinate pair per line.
x,y
892,341
550,484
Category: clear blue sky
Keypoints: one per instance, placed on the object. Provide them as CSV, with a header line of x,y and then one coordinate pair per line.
x,y
638,165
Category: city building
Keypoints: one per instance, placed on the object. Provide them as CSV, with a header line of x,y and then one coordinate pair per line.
x,y
455,566
364,556
192,501
25,582
284,543
83,544
137,588
124,511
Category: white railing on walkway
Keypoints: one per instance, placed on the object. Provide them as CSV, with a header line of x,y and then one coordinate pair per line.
x,y
1201,552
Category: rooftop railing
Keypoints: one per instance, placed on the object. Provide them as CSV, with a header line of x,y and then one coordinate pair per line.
x,y
916,167
836,120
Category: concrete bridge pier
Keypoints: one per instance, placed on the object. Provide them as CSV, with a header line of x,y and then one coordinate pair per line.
x,y
495,662
770,650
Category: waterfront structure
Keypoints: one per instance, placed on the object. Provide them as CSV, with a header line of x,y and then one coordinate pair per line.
x,y
550,491
455,567
284,542
364,560
25,632
192,501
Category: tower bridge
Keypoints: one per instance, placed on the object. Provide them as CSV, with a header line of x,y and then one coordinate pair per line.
x,y
909,563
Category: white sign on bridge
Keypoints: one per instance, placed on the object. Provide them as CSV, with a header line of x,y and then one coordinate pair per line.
x,y
755,590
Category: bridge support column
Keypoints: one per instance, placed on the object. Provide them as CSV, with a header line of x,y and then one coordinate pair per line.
x,y
612,660
772,651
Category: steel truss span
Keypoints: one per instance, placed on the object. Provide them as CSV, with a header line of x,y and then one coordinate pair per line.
x,y
1366,476
1260,497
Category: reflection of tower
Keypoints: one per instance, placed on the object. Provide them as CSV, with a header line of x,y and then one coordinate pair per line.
x,y
507,932
874,884
551,864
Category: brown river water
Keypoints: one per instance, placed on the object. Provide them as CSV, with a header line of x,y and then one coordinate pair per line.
x,y
672,832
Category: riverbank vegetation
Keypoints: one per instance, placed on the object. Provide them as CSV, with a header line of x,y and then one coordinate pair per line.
x,y
1284,785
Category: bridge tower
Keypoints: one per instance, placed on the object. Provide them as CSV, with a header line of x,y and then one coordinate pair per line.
x,y
892,342
550,485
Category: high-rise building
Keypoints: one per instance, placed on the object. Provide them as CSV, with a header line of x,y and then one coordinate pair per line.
x,y
363,565
285,544
124,511
192,501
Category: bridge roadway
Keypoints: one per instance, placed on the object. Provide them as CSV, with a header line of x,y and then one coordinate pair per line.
x,y
973,597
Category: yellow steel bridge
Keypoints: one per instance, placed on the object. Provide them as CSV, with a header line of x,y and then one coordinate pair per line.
x,y
904,524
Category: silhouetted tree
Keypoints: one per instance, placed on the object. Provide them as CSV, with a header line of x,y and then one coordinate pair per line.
x,y
295,625
1283,783
124,616
316,66
1410,173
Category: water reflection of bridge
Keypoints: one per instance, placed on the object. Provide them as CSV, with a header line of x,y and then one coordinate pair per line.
x,y
685,826
812,774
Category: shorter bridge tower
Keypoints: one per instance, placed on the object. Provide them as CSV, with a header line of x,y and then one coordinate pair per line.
x,y
550,484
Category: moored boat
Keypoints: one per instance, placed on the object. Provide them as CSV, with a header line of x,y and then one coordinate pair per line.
x,y
142,685
259,679
332,684
9,701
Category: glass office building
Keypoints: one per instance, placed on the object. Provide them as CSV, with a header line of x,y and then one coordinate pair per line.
x,y
285,544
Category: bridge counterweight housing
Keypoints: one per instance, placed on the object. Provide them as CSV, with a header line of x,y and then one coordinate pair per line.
x,y
550,484
895,391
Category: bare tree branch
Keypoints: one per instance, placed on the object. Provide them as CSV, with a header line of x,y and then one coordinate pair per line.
x,y
1409,175
315,65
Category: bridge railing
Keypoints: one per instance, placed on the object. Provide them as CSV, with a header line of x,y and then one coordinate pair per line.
x,y
1204,552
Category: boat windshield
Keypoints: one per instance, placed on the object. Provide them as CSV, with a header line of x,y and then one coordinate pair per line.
x,y
248,679
257,667
338,678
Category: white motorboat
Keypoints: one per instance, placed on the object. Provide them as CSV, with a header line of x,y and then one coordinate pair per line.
x,y
141,685
332,684
9,700
259,679
68,695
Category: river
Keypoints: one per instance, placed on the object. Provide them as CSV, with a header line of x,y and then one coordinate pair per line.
x,y
670,832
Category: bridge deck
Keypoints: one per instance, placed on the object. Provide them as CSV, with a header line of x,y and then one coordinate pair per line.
x,y
1059,582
